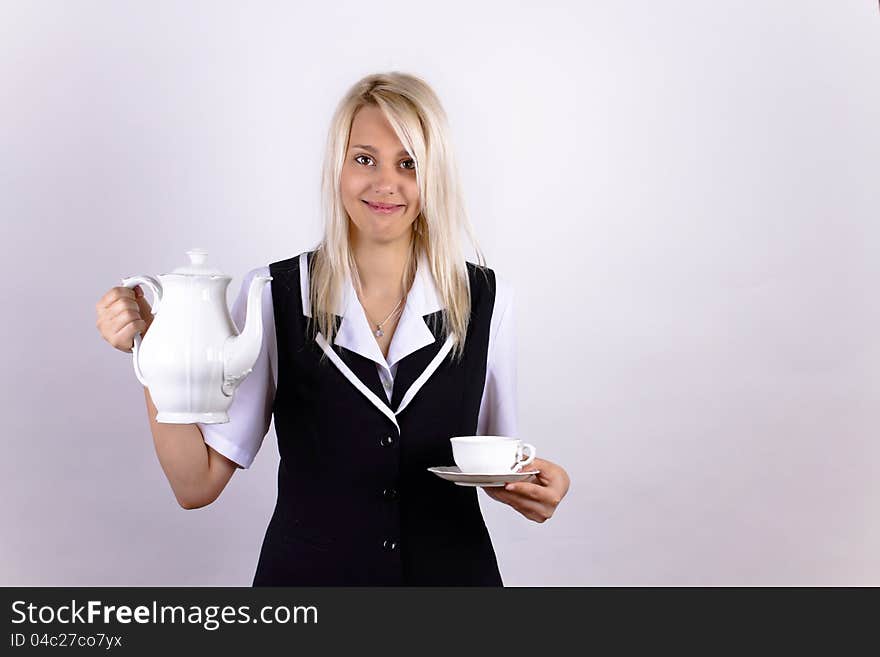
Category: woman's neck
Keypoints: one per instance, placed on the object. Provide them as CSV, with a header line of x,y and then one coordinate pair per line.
x,y
381,266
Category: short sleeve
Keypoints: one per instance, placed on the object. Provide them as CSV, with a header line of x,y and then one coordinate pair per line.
x,y
250,412
499,405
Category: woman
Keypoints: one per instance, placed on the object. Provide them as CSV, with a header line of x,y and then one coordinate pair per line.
x,y
379,345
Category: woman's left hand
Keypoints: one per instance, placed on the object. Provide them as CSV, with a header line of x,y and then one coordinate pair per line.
x,y
536,499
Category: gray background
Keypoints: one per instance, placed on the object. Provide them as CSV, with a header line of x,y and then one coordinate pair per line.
x,y
683,194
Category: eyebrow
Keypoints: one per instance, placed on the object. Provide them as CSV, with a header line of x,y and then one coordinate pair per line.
x,y
372,149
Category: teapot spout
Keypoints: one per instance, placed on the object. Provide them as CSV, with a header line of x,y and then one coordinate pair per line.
x,y
240,352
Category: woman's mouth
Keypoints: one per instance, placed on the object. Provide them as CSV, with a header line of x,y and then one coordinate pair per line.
x,y
382,208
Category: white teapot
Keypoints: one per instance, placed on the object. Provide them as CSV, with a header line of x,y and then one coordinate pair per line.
x,y
193,358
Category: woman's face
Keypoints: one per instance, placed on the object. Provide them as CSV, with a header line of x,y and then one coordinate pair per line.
x,y
377,169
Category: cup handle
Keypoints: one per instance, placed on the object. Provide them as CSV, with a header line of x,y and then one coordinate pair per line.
x,y
523,448
156,287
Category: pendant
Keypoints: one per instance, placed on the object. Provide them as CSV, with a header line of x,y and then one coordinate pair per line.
x,y
379,332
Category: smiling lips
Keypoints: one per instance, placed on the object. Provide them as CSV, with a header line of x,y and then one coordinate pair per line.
x,y
382,208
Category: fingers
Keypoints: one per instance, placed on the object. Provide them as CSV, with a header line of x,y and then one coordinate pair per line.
x,y
120,316
530,508
491,491
546,496
120,306
549,472
114,293
124,338
529,499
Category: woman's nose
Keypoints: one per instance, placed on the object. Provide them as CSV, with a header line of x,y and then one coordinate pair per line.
x,y
386,178
383,185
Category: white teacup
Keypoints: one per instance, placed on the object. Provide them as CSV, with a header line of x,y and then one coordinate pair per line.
x,y
490,454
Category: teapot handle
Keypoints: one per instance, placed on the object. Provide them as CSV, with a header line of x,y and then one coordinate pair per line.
x,y
156,288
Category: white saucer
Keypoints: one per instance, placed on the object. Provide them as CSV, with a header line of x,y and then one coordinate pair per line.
x,y
454,474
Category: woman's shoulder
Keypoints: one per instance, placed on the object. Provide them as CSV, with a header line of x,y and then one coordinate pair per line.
x,y
257,271
291,263
499,284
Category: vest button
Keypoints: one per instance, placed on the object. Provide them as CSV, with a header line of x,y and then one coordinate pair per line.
x,y
387,441
389,545
390,493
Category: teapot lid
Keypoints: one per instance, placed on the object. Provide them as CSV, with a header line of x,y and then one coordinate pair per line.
x,y
197,266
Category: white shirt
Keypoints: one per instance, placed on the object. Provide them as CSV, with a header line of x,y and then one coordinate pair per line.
x,y
250,413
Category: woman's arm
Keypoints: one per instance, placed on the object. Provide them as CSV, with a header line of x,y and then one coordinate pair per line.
x,y
538,497
197,473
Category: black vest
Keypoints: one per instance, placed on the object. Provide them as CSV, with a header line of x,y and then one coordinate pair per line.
x,y
356,504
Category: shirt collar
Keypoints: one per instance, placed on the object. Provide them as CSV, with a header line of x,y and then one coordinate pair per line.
x,y
412,332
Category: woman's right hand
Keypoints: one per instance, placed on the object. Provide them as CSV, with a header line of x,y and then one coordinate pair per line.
x,y
122,312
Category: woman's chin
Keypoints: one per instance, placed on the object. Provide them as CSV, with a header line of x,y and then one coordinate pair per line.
x,y
378,230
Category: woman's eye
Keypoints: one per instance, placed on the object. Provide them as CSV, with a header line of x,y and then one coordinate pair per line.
x,y
408,162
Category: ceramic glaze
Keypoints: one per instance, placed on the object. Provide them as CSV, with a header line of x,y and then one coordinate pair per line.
x,y
193,358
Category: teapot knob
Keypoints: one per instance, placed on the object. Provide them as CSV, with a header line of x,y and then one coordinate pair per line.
x,y
197,256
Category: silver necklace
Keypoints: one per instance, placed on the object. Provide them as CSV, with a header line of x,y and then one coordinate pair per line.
x,y
378,332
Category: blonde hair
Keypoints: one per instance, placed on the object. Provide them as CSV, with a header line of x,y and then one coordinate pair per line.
x,y
417,117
